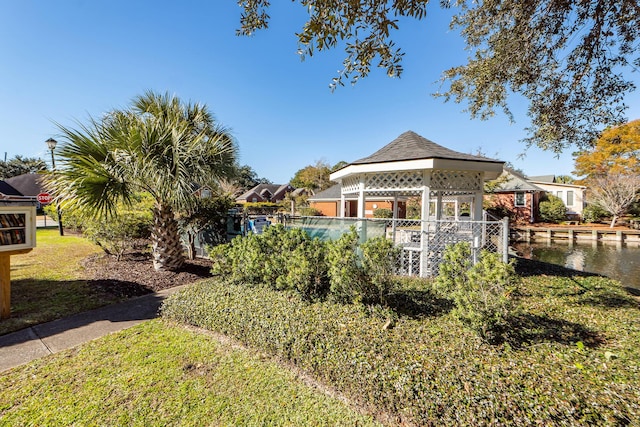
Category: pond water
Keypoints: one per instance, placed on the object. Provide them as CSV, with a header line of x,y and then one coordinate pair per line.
x,y
618,261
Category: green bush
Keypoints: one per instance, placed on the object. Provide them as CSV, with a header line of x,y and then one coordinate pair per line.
x,y
307,270
552,209
308,211
279,258
345,274
379,259
481,291
382,213
117,233
208,219
594,213
290,260
263,208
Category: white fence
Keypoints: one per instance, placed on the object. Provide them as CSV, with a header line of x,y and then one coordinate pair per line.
x,y
422,242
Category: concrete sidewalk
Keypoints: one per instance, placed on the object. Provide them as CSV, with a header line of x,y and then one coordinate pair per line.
x,y
41,340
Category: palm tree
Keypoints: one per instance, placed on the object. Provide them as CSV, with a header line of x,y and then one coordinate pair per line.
x,y
158,145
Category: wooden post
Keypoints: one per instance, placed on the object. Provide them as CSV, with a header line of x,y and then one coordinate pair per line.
x,y
5,286
5,281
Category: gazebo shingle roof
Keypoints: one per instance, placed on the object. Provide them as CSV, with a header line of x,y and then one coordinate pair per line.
x,y
411,146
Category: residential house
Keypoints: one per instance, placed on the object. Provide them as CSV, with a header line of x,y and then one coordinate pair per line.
x,y
28,184
573,196
327,202
514,196
265,193
9,194
520,196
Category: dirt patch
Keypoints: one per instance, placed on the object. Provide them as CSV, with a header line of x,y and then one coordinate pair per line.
x,y
134,274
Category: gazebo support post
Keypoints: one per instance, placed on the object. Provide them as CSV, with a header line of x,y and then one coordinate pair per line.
x,y
477,206
361,197
424,216
395,217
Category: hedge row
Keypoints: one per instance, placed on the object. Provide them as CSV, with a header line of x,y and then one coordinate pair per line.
x,y
429,370
288,259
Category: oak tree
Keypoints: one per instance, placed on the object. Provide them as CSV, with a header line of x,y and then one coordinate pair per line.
x,y
616,151
567,57
313,177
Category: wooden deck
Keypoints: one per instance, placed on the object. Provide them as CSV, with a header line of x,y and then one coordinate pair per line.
x,y
531,234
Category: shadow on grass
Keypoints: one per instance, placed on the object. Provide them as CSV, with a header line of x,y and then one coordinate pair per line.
x,y
527,267
70,311
119,288
529,329
418,304
585,291
38,301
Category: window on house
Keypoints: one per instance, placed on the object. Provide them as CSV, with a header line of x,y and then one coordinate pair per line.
x,y
559,194
254,199
520,199
569,198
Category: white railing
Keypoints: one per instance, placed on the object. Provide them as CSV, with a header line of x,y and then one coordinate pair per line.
x,y
422,243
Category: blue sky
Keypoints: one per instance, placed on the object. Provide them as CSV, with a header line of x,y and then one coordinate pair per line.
x,y
64,61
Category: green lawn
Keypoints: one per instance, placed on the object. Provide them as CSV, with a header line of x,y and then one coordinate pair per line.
x,y
161,374
48,282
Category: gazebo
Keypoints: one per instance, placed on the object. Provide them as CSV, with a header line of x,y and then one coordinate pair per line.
x,y
412,165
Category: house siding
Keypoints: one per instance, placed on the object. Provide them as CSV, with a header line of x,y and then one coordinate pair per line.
x,y
330,208
520,214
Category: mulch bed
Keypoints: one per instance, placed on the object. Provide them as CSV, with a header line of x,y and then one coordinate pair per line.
x,y
134,274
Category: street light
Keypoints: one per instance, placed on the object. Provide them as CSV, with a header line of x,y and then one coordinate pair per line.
x,y
51,143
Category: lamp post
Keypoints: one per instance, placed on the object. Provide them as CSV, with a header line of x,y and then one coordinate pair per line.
x,y
51,143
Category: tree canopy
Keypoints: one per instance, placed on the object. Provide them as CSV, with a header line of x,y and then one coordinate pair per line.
x,y
567,57
20,165
616,151
247,178
314,177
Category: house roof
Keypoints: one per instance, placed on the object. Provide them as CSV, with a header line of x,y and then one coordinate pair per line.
x,y
260,188
8,190
516,182
411,146
543,178
331,193
28,184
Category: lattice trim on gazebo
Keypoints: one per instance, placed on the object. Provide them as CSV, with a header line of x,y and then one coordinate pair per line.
x,y
456,181
394,180
350,184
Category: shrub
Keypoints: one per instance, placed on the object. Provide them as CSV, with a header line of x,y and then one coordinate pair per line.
x,y
382,213
379,258
308,211
279,258
481,291
345,274
594,213
263,208
290,260
207,218
117,233
307,270
552,209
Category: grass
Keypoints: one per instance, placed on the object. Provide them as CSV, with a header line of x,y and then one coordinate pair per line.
x,y
161,374
48,283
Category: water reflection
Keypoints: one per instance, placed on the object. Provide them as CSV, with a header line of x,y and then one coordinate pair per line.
x,y
616,260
